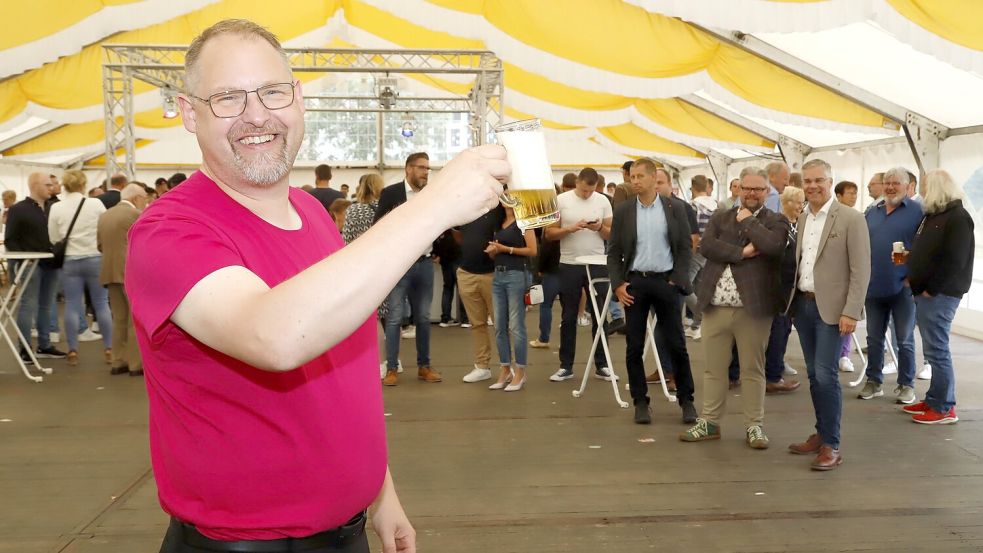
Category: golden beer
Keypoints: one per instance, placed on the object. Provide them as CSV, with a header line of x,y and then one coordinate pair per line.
x,y
535,208
530,190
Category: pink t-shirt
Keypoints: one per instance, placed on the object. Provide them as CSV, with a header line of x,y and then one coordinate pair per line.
x,y
239,452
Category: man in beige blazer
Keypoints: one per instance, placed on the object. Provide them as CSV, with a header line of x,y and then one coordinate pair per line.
x,y
832,274
113,227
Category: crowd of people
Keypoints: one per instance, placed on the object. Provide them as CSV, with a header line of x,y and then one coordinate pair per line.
x,y
92,223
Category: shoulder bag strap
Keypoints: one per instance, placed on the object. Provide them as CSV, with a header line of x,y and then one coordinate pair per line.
x,y
72,225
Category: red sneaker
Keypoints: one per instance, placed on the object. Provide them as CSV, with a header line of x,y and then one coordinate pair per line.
x,y
934,417
915,408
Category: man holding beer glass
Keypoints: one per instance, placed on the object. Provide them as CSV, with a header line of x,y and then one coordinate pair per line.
x,y
892,224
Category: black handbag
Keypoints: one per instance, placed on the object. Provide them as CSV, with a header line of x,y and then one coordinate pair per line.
x,y
60,247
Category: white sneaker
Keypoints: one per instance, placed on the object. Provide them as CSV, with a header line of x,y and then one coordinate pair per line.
x,y
846,366
384,368
696,333
54,337
687,322
790,371
465,325
890,368
95,326
477,375
561,375
490,322
926,372
688,332
538,344
584,320
409,332
89,336
34,333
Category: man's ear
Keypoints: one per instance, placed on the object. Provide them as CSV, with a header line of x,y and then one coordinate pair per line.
x,y
188,115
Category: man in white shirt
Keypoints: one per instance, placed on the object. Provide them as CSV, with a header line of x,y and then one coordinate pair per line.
x,y
833,271
584,225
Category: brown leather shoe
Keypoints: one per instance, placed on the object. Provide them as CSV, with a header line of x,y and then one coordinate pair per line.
x,y
808,447
653,378
427,374
828,459
390,379
782,386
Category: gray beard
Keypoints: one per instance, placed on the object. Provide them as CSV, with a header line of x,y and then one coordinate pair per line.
x,y
264,170
893,203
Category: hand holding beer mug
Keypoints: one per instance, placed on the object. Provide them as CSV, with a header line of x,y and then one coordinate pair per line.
x,y
530,190
898,254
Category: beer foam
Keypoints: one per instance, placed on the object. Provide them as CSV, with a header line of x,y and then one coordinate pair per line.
x,y
527,155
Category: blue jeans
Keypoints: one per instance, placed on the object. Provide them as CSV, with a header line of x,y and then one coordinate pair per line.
x,y
52,291
821,349
416,286
934,322
82,273
508,291
551,291
901,308
781,327
36,303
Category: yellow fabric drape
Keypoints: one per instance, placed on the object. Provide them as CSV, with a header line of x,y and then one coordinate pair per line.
x,y
957,21
633,137
86,134
30,21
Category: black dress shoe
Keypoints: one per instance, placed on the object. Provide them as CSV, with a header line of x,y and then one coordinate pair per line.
x,y
689,413
119,370
643,413
138,372
616,326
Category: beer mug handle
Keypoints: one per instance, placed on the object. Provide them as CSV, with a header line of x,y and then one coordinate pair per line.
x,y
508,201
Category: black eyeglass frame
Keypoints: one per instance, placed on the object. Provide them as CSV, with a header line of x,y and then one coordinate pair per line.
x,y
257,90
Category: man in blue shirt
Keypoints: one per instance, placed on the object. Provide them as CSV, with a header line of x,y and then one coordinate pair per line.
x,y
648,262
893,219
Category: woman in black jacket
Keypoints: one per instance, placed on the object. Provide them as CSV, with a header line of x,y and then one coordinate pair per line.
x,y
940,269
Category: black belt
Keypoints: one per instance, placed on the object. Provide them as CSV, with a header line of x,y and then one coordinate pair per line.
x,y
650,274
336,537
808,295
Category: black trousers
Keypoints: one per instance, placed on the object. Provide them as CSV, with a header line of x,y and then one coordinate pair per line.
x,y
175,542
573,280
655,293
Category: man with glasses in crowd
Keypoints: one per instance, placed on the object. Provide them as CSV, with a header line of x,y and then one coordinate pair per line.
x,y
415,286
259,342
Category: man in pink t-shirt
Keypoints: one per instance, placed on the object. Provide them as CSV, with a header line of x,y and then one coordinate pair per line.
x,y
257,328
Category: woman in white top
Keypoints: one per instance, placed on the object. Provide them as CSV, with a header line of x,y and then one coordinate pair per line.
x,y
83,261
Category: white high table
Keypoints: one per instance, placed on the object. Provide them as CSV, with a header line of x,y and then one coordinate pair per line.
x,y
8,308
600,337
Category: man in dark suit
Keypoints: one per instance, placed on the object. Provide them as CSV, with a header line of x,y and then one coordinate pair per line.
x,y
416,284
322,187
111,233
648,262
111,197
739,294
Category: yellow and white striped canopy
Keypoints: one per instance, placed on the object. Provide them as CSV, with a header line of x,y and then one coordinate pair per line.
x,y
609,71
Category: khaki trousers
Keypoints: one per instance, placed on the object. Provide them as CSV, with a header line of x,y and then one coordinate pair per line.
x,y
722,326
126,353
476,293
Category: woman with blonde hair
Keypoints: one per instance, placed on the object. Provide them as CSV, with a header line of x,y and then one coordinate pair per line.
x,y
940,271
83,261
359,215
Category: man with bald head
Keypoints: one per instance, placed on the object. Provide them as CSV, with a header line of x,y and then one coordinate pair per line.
x,y
778,175
114,224
27,231
111,197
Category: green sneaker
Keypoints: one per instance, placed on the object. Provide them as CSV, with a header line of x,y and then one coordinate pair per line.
x,y
904,394
704,430
756,438
871,390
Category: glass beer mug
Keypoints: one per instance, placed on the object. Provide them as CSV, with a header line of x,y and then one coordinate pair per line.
x,y
530,189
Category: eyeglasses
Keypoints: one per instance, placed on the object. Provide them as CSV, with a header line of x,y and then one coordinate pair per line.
x,y
892,184
756,189
232,103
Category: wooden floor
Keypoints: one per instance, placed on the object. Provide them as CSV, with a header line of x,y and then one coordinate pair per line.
x,y
531,471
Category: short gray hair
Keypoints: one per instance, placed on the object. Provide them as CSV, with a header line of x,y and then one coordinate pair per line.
x,y
818,163
131,191
940,190
240,27
899,173
754,170
775,166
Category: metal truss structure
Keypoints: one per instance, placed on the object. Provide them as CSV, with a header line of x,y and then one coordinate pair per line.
x,y
163,67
